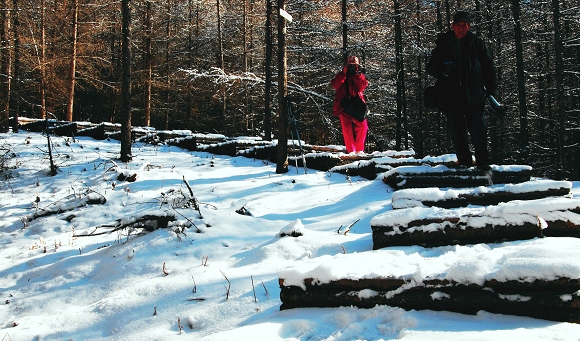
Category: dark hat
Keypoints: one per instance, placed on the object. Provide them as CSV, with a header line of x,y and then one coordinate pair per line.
x,y
461,16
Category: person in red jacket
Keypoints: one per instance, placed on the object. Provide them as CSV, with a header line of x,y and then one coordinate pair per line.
x,y
350,79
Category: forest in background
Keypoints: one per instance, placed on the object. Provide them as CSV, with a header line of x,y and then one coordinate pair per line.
x,y
202,65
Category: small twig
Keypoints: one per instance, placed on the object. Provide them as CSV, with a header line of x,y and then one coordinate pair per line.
x,y
254,289
179,325
343,250
264,285
194,286
229,285
204,260
186,218
193,199
349,226
165,270
154,310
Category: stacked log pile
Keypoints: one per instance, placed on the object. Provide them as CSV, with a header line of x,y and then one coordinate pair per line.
x,y
419,219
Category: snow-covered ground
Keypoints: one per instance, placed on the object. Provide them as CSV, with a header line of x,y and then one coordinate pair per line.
x,y
217,279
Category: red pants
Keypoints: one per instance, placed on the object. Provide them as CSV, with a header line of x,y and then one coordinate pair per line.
x,y
354,133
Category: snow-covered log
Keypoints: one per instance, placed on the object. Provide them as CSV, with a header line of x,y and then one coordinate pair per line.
x,y
554,300
515,220
443,176
538,278
481,196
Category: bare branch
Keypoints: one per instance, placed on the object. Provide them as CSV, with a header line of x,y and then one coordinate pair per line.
x,y
229,285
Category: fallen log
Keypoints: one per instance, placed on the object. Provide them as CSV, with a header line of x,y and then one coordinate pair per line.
x,y
365,169
90,199
65,129
543,301
187,143
320,161
150,222
98,132
481,196
442,176
539,278
38,126
263,152
516,220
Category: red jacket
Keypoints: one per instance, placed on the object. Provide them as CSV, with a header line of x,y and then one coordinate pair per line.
x,y
356,85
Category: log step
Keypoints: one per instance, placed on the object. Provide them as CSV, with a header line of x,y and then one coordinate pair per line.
x,y
497,297
539,278
443,176
517,220
481,196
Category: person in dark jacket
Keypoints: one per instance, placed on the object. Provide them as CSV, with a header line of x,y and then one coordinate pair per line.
x,y
350,80
465,75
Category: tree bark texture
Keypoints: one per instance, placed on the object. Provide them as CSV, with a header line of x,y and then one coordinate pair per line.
x,y
126,82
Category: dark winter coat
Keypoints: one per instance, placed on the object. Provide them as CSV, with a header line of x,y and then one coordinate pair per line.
x,y
356,86
473,75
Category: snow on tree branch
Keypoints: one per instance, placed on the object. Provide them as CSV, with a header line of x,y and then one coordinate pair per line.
x,y
219,76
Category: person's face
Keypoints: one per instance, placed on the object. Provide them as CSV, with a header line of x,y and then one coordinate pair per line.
x,y
460,29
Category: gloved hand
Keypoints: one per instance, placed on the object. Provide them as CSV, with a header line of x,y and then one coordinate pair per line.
x,y
498,109
446,69
499,112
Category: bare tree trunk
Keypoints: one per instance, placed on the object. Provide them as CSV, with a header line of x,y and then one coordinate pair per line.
x,y
42,66
282,152
249,117
221,65
268,72
189,104
73,62
344,31
401,114
148,67
126,82
524,139
115,57
16,85
219,32
167,64
5,69
439,140
561,110
448,14
245,34
419,93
